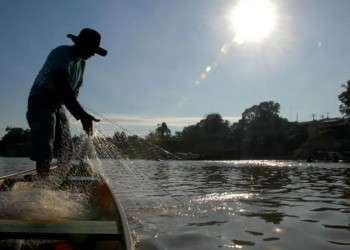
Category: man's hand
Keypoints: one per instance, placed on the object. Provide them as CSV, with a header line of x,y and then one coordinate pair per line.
x,y
86,121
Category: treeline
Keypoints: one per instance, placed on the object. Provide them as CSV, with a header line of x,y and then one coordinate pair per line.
x,y
260,134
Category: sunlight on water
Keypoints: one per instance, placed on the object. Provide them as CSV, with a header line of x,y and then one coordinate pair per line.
x,y
263,163
223,197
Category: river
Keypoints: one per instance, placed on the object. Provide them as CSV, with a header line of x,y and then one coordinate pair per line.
x,y
230,204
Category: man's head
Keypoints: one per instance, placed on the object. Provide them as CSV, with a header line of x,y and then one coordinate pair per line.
x,y
88,43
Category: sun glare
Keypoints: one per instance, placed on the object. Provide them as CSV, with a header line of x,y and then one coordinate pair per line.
x,y
252,20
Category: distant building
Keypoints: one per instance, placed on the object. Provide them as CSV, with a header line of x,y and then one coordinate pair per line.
x,y
327,122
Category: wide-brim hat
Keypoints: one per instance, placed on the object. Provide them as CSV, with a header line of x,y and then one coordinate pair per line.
x,y
90,38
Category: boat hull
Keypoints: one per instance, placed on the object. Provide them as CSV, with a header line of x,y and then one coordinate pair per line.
x,y
104,226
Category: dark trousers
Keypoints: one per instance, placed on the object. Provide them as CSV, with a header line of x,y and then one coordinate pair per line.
x,y
50,132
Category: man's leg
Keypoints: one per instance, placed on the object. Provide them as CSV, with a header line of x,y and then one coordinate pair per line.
x,y
42,122
43,168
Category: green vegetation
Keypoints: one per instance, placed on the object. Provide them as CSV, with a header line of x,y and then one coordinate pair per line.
x,y
344,98
260,134
15,143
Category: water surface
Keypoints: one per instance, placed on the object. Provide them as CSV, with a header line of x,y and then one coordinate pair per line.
x,y
230,204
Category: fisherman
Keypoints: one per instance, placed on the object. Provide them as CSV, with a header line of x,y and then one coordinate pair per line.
x,y
58,84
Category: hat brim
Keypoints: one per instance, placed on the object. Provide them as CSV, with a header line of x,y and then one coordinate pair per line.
x,y
98,50
101,51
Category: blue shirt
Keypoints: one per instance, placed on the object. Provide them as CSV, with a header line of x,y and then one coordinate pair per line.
x,y
61,58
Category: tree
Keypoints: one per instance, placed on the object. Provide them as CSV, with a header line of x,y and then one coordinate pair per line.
x,y
189,139
153,138
15,142
208,137
162,130
261,131
160,136
344,98
262,111
213,134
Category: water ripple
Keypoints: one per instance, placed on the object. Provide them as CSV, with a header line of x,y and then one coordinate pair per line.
x,y
235,204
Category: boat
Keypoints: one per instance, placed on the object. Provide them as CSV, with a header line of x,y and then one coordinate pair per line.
x,y
105,227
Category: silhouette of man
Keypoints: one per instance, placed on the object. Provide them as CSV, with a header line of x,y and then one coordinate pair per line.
x,y
58,84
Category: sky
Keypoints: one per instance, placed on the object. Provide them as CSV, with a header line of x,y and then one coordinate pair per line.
x,y
175,61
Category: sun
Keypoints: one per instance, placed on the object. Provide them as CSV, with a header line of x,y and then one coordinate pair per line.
x,y
253,20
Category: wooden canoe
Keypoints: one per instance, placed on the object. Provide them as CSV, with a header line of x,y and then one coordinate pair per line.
x,y
105,227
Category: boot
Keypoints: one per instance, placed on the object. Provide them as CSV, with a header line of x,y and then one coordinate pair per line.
x,y
43,168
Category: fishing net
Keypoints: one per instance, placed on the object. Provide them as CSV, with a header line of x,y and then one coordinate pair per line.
x,y
117,155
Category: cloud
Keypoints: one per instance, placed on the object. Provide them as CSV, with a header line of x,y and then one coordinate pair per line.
x,y
142,121
138,124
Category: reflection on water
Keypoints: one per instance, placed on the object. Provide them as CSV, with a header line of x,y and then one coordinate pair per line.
x,y
240,204
235,204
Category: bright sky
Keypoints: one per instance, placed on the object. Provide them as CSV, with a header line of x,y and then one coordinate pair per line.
x,y
175,61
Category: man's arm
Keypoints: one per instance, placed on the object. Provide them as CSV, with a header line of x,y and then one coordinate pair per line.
x,y
67,96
